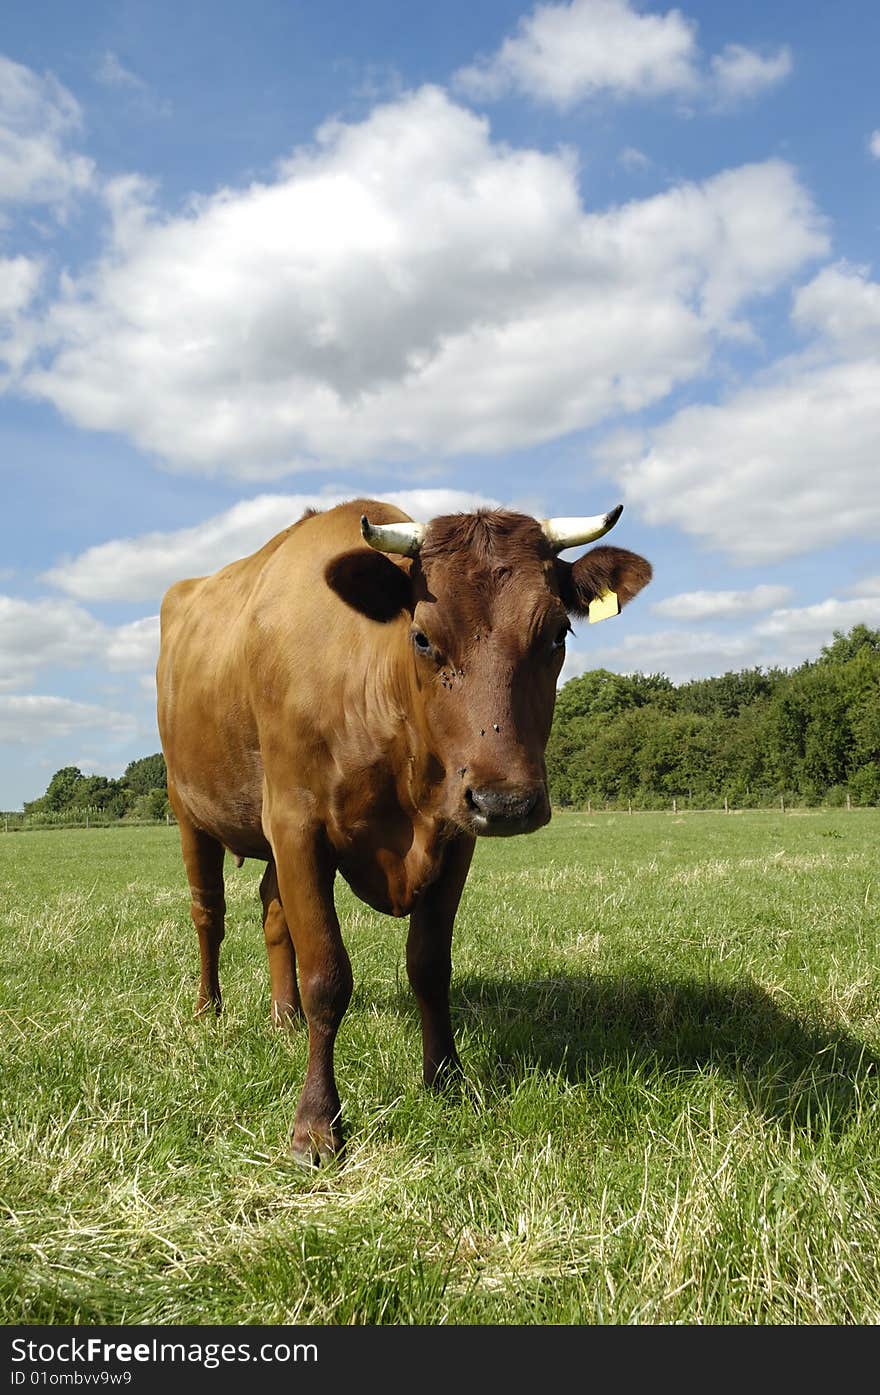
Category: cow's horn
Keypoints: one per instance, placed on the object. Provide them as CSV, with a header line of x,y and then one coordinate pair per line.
x,y
570,532
405,538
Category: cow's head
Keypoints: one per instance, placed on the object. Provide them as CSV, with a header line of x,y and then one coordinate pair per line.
x,y
489,602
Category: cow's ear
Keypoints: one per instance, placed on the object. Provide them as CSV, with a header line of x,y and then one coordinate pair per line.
x,y
599,570
370,582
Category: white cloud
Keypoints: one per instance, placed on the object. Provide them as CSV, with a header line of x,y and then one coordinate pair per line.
x,y
91,765
408,288
139,569
843,305
40,633
54,633
800,632
708,605
113,73
742,73
680,654
135,645
788,465
37,117
35,719
19,280
633,159
784,639
868,586
874,144
741,233
563,54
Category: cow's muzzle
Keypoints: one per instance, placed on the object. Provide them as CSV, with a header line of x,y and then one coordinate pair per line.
x,y
494,812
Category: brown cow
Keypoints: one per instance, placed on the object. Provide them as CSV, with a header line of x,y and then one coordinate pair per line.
x,y
325,706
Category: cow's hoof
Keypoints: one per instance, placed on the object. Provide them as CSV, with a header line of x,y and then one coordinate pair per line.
x,y
208,1007
447,1076
316,1150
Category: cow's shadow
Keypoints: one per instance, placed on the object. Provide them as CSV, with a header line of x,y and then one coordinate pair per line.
x,y
802,1074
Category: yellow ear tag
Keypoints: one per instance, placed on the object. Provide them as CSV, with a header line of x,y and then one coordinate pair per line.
x,y
603,607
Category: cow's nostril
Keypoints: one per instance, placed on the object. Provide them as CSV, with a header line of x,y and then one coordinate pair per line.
x,y
502,804
525,804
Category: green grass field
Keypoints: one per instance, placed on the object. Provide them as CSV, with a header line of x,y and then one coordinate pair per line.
x,y
671,1111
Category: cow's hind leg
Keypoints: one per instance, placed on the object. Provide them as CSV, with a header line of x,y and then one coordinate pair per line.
x,y
286,1005
203,859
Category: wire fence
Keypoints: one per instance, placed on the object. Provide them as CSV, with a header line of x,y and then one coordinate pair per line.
x,y
722,804
17,822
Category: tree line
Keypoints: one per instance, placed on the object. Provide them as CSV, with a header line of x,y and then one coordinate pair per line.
x,y
140,793
811,734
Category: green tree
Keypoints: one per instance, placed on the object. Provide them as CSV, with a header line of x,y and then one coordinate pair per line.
x,y
600,693
146,774
813,732
62,788
729,693
846,646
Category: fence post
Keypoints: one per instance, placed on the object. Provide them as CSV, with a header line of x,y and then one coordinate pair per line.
x,y
782,802
629,807
848,802
674,806
726,806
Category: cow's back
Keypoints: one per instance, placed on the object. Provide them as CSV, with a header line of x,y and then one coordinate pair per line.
x,y
252,657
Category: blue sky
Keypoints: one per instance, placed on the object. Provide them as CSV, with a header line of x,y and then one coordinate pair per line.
x,y
554,257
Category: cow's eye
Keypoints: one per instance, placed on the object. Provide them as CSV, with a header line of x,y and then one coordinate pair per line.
x,y
559,637
421,642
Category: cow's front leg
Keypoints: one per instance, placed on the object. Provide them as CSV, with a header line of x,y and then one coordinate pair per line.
x,y
305,870
429,960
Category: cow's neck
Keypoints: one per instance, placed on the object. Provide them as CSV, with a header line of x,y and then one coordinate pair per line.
x,y
386,824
